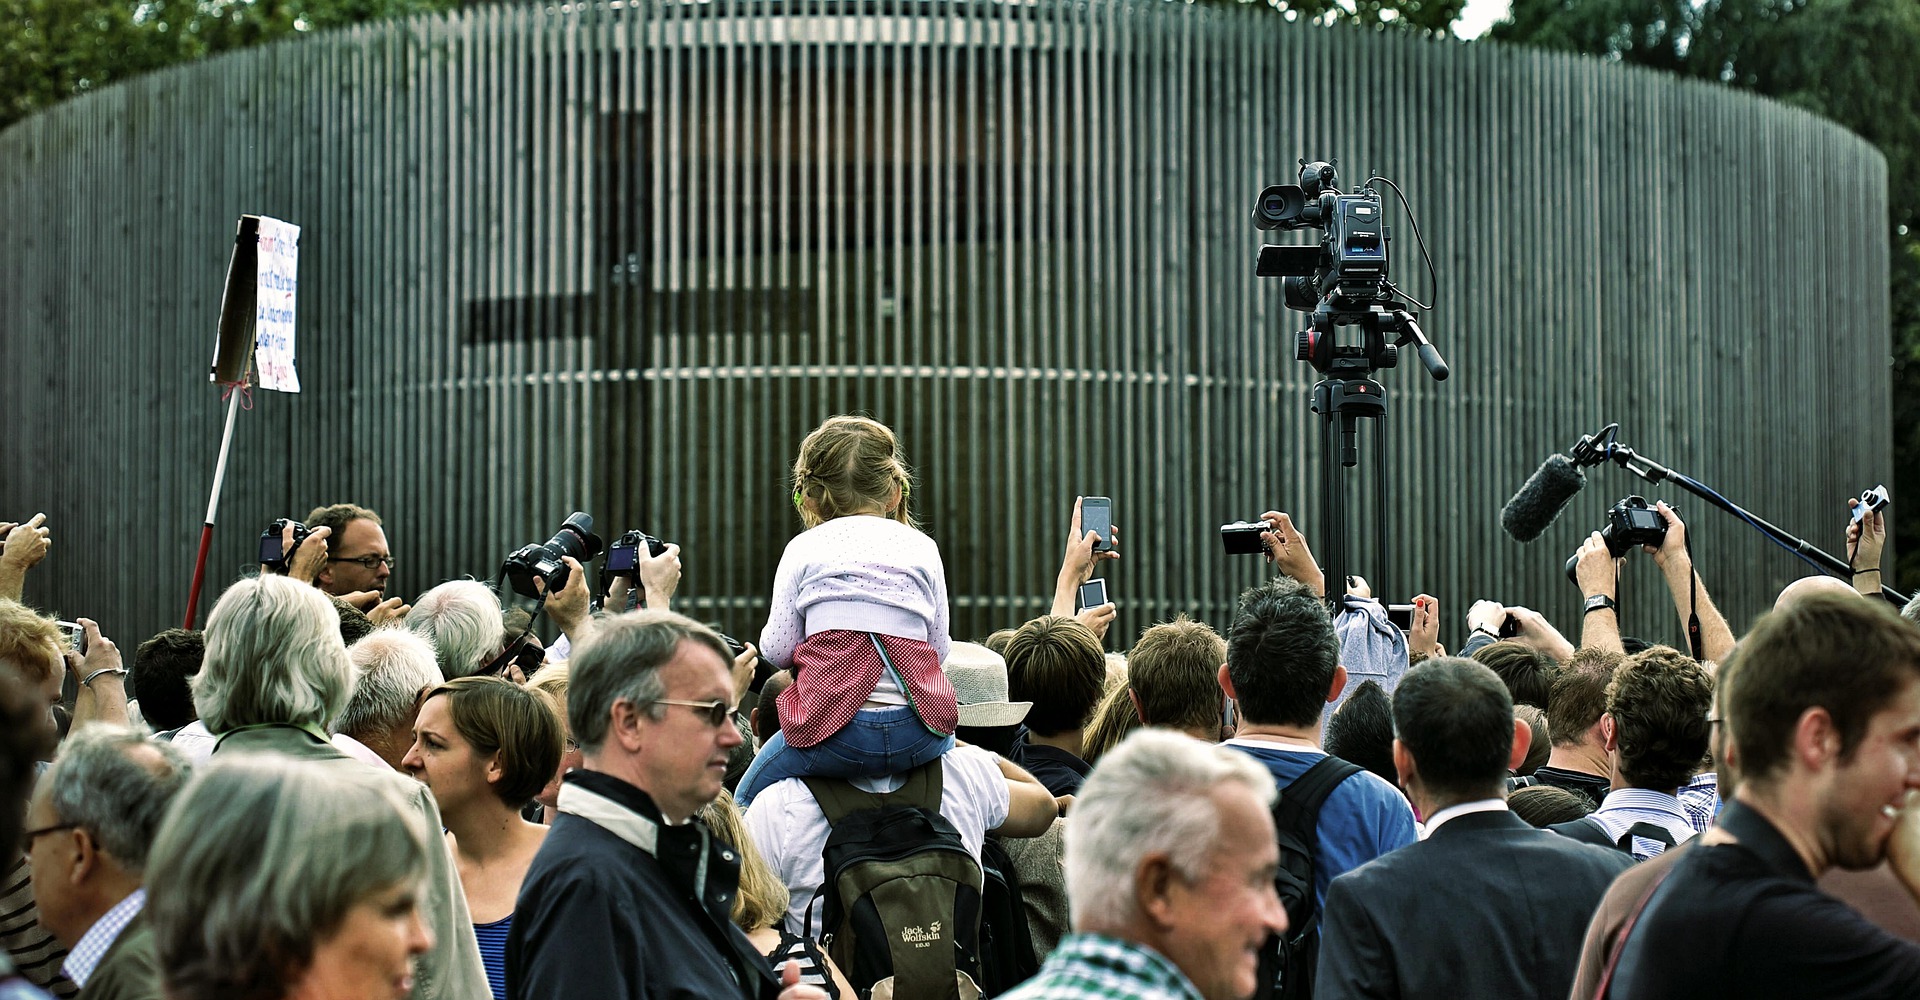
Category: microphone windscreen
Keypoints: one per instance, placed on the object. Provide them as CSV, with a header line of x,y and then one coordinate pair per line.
x,y
1541,499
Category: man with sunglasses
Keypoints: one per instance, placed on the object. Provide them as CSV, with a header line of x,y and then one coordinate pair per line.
x,y
628,896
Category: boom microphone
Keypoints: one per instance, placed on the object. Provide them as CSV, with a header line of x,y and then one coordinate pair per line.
x,y
1546,493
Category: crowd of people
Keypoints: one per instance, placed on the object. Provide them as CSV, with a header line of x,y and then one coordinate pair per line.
x,y
332,792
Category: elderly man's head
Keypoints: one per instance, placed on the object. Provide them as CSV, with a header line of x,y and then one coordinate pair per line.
x,y
274,656
93,820
462,620
1822,704
393,668
650,701
1171,846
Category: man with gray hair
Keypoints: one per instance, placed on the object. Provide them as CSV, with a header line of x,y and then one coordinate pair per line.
x,y
462,620
627,896
92,819
275,674
394,667
1170,863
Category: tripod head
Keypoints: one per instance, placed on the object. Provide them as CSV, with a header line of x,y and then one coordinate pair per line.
x,y
1318,344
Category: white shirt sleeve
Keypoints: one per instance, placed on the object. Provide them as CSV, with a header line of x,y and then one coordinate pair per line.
x,y
786,627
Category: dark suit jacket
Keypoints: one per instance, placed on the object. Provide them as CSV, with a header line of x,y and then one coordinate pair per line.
x,y
1487,907
129,970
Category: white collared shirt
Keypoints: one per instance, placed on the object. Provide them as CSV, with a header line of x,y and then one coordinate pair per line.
x,y
86,955
1477,806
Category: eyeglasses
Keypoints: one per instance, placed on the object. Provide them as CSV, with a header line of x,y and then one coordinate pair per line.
x,y
370,562
571,745
716,711
27,837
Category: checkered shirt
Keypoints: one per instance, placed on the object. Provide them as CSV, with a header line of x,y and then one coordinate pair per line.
x,y
1097,967
1701,799
85,956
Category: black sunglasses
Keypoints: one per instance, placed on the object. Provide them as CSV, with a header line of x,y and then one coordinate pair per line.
x,y
715,712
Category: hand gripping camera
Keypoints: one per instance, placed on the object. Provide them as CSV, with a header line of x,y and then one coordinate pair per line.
x,y
1631,522
623,557
543,562
271,555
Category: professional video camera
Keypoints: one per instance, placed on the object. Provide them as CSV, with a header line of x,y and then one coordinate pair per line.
x,y
543,562
1344,280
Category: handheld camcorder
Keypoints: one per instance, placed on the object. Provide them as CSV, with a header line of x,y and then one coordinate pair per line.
x,y
271,555
623,556
1631,522
532,563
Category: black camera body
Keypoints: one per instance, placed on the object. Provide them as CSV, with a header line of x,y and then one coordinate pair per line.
x,y
271,554
1242,538
1631,522
528,564
623,556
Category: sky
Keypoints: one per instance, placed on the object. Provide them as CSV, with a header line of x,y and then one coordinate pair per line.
x,y
1479,16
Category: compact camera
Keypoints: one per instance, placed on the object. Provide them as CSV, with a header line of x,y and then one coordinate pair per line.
x,y
531,563
271,554
1242,538
1631,522
623,556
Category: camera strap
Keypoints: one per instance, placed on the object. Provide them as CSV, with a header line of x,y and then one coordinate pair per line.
x,y
1693,602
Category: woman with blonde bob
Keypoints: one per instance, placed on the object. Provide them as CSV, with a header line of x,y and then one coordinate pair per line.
x,y
275,879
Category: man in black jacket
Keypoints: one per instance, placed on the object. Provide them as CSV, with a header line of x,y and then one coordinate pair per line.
x,y
1486,906
628,897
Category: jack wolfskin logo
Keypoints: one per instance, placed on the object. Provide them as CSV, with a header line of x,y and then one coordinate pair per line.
x,y
920,935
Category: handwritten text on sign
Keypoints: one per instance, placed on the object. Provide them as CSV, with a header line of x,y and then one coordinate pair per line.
x,y
277,281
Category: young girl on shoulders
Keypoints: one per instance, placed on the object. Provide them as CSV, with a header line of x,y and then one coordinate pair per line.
x,y
859,613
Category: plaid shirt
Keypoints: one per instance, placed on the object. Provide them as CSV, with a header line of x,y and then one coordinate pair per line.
x,y
1097,967
86,955
1701,799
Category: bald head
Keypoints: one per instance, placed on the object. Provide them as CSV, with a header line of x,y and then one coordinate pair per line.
x,y
1799,590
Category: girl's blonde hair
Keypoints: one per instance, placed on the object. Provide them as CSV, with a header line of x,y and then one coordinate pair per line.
x,y
851,465
762,898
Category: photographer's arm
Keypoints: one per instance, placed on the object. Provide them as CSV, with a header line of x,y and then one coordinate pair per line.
x,y
103,681
1532,628
1076,568
26,544
1689,591
1288,551
1866,539
571,607
1030,807
310,558
1598,575
659,576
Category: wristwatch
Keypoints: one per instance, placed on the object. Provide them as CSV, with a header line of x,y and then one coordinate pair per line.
x,y
1598,601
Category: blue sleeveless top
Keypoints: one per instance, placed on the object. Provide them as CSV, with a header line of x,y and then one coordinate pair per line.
x,y
493,953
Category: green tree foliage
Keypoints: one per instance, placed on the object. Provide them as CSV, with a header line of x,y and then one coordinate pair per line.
x,y
1854,61
51,50
1427,17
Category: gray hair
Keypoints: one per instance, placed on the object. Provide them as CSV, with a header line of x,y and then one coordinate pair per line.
x,y
1152,794
621,660
394,666
262,856
462,620
1911,611
274,655
116,783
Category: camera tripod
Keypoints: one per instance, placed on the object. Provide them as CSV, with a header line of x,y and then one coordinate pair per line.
x,y
1343,398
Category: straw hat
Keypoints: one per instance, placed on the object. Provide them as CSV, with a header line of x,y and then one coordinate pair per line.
x,y
979,678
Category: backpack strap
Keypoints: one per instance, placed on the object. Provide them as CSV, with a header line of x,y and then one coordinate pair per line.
x,y
1650,831
1303,797
838,797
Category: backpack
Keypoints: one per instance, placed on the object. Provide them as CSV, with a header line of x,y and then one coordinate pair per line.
x,y
1587,831
1287,960
901,894
1006,941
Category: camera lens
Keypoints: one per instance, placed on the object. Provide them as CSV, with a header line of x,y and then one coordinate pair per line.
x,y
576,538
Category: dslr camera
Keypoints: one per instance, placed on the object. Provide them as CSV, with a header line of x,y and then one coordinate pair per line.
x,y
1631,522
271,554
624,555
528,564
